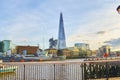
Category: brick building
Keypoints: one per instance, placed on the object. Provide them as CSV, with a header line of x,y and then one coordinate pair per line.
x,y
29,49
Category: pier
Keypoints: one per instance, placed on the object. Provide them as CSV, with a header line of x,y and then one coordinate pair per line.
x,y
64,70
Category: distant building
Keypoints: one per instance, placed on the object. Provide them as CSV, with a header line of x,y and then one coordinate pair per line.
x,y
28,49
94,53
84,49
104,49
52,51
1,46
61,34
5,45
74,51
82,46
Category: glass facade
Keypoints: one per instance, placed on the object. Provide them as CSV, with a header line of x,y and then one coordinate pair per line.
x,y
61,34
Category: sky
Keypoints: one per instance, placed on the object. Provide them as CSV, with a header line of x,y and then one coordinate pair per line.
x,y
34,22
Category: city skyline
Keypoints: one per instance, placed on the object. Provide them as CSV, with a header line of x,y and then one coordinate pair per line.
x,y
35,22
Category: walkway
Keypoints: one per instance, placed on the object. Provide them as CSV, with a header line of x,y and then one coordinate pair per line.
x,y
116,78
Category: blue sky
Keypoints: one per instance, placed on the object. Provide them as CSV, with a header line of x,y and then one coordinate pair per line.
x,y
33,22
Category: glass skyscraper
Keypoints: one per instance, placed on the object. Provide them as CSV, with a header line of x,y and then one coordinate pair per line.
x,y
61,34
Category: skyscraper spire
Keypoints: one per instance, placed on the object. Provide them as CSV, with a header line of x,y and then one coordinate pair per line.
x,y
61,34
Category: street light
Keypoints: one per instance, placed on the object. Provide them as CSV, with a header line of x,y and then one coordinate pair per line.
x,y
118,9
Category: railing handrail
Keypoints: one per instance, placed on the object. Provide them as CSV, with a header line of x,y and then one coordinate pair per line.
x,y
64,62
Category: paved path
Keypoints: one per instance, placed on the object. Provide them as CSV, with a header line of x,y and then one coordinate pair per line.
x,y
116,78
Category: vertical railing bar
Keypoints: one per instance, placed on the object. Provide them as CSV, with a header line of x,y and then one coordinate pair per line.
x,y
81,66
24,72
44,71
77,71
34,76
74,67
54,71
84,71
78,68
73,70
41,70
37,72
70,70
106,70
22,66
56,75
34,71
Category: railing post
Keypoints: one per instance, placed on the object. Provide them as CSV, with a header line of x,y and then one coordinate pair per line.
x,y
85,71
54,71
107,70
82,71
24,71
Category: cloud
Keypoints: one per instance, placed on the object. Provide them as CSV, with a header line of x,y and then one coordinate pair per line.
x,y
115,43
105,23
101,32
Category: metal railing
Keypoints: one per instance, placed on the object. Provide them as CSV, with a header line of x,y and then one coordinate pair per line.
x,y
43,71
61,70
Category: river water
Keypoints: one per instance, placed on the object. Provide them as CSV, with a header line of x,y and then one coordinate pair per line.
x,y
69,70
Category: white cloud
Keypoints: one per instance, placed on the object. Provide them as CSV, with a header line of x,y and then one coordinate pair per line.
x,y
105,19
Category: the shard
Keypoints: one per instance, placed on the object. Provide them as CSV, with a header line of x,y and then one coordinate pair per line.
x,y
61,34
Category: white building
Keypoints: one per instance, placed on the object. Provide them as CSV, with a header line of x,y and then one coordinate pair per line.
x,y
104,49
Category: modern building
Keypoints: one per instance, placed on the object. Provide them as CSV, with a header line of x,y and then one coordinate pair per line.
x,y
82,46
74,51
61,34
1,46
5,45
84,49
104,50
52,51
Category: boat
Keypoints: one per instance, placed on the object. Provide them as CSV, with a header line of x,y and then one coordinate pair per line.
x,y
24,57
38,56
7,69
